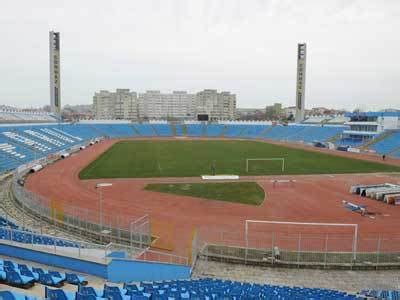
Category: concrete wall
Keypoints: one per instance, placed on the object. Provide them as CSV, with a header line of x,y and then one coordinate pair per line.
x,y
55,260
118,270
121,270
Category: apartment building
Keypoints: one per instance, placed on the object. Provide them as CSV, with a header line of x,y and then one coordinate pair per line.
x,y
119,105
151,105
175,105
218,106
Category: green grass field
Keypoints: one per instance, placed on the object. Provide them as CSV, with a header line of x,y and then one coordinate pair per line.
x,y
129,159
239,192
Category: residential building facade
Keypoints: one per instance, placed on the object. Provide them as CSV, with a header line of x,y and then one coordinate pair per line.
x,y
218,106
119,105
157,105
154,105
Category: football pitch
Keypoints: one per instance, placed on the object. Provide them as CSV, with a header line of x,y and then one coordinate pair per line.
x,y
152,158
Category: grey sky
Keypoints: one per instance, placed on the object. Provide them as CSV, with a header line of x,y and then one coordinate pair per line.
x,y
245,46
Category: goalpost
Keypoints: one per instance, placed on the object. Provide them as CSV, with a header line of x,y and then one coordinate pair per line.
x,y
299,227
248,160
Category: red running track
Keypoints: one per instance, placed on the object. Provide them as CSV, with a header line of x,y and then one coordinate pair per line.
x,y
315,198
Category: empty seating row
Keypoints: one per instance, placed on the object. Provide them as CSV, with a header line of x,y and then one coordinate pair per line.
x,y
145,129
388,144
10,231
57,135
27,141
10,149
194,129
162,129
11,295
45,138
28,237
24,143
381,294
197,289
24,276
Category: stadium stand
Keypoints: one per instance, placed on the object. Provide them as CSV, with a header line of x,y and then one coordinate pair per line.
x,y
381,294
12,115
387,145
145,129
185,289
316,119
11,295
194,129
24,276
232,130
214,130
12,232
22,143
162,129
178,130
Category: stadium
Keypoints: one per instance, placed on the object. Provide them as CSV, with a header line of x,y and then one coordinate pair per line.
x,y
181,194
101,198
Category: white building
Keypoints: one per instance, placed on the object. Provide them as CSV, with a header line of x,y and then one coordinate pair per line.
x,y
175,105
119,105
154,105
366,125
218,106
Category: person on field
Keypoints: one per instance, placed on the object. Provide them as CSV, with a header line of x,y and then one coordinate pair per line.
x,y
383,157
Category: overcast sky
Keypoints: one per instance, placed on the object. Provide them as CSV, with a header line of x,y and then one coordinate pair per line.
x,y
245,46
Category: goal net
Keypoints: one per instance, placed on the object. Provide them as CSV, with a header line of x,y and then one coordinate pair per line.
x,y
276,164
301,236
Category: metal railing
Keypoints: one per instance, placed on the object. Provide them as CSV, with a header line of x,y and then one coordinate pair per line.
x,y
83,222
132,235
53,244
325,250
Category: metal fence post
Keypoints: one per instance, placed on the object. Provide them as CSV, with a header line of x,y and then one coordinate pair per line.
x,y
378,249
355,243
247,242
298,250
273,248
326,250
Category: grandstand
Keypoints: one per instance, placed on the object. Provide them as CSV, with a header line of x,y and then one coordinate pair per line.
x,y
12,115
21,143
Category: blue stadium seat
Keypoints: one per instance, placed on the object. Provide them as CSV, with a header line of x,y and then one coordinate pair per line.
x,y
214,130
194,130
73,278
145,129
162,129
14,278
58,294
388,144
8,295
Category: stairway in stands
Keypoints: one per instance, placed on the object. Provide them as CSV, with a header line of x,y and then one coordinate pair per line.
x,y
379,138
203,130
135,130
173,129
265,131
224,129
334,138
154,130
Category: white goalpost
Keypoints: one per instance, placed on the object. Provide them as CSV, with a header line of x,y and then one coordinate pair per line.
x,y
248,160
